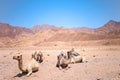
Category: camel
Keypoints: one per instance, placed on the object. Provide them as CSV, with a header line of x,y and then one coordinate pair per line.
x,y
38,56
31,66
74,58
62,61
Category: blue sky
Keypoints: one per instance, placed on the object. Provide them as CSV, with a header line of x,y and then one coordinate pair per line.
x,y
67,13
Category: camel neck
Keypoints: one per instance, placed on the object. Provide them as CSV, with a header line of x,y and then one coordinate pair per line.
x,y
20,64
68,61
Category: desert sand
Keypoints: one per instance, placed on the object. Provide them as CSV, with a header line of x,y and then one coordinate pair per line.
x,y
102,63
100,47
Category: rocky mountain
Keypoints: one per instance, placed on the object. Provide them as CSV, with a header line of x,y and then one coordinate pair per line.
x,y
110,28
7,30
19,36
38,28
83,30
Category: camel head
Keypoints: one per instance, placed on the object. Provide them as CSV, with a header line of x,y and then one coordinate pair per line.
x,y
69,54
34,55
38,56
72,50
17,57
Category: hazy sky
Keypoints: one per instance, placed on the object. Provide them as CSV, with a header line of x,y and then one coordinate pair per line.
x,y
67,13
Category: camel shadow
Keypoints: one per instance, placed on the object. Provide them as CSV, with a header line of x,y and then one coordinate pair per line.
x,y
20,74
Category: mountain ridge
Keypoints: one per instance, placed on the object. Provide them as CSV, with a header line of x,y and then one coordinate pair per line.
x,y
19,36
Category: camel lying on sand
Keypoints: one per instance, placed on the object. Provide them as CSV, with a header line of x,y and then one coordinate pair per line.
x,y
38,56
74,56
31,66
62,61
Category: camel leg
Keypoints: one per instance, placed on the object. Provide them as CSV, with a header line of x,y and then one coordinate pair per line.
x,y
29,73
72,60
59,68
68,68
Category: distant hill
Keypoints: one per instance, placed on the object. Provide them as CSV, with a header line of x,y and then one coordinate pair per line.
x,y
83,30
19,36
7,30
110,28
38,28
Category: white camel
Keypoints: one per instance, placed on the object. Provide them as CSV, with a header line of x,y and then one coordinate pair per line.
x,y
31,66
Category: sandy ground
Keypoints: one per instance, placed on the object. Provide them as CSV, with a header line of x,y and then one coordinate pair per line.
x,y
103,63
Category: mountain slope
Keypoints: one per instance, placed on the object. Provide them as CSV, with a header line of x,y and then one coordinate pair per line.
x,y
38,35
38,28
7,30
110,28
